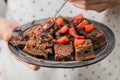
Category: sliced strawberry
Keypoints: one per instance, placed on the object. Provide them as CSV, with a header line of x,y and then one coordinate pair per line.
x,y
72,31
63,40
59,21
36,31
78,42
82,24
79,37
79,16
64,29
77,19
89,28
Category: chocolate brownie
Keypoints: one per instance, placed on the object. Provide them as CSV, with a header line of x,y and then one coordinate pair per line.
x,y
85,51
63,52
19,41
98,38
38,49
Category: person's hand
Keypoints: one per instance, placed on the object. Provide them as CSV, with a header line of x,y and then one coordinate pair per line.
x,y
6,27
96,5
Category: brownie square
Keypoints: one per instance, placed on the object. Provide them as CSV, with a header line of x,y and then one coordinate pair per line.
x,y
63,52
37,49
85,51
98,38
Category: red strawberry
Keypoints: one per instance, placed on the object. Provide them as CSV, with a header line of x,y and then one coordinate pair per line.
x,y
76,21
64,29
36,31
79,16
79,37
89,28
59,21
72,31
82,24
63,40
78,42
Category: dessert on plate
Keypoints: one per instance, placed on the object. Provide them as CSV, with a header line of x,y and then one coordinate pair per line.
x,y
65,38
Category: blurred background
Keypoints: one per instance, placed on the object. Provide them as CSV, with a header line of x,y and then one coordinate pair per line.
x,y
2,8
2,11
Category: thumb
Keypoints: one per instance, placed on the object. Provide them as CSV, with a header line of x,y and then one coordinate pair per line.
x,y
7,35
33,67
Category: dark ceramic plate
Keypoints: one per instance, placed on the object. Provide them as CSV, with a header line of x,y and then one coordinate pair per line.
x,y
100,53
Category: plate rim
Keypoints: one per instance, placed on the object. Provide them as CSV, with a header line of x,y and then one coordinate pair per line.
x,y
68,64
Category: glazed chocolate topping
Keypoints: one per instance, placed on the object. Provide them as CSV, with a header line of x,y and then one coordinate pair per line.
x,y
47,25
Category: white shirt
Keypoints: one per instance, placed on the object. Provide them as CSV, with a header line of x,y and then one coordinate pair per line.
x,y
27,10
